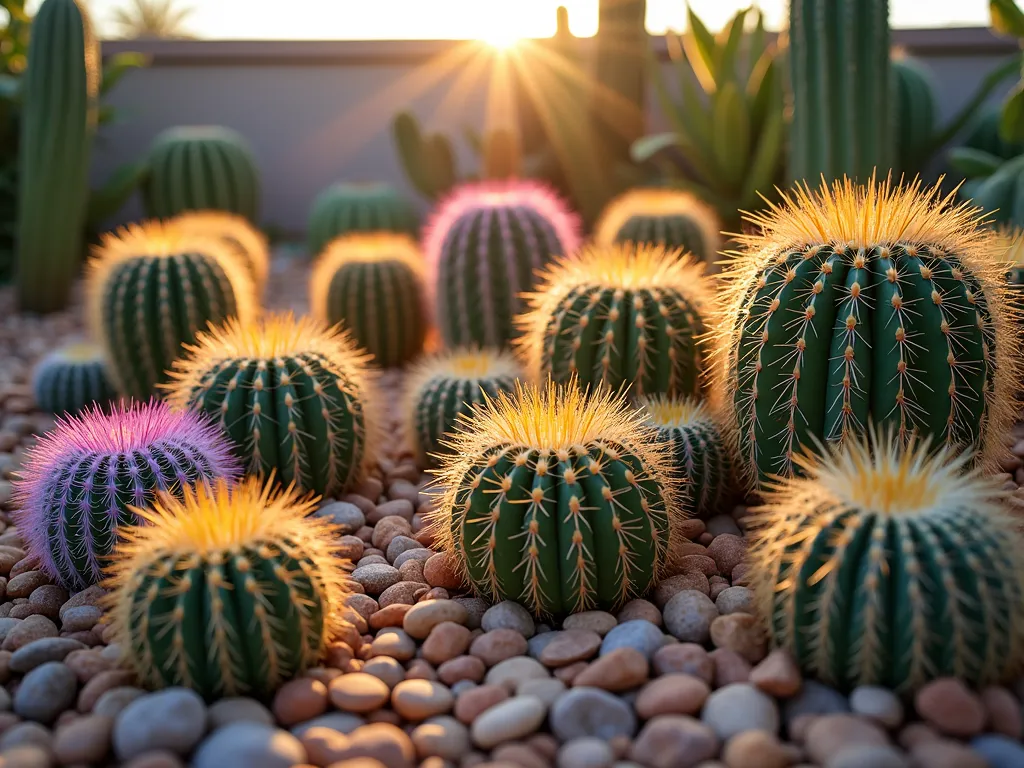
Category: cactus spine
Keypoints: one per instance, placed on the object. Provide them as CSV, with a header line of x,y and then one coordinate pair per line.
x,y
82,480
557,499
886,566
57,124
294,397
666,217
444,388
621,315
246,242
228,591
483,247
197,168
839,69
348,207
70,378
858,303
151,288
373,285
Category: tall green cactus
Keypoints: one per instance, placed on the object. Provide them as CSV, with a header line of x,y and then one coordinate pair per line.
x,y
839,70
914,113
57,125
621,68
349,207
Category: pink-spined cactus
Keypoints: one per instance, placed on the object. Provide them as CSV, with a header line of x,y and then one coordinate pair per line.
x,y
483,246
82,478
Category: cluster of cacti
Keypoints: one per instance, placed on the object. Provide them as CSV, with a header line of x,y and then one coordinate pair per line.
x,y
84,479
228,591
57,123
246,242
350,207
293,396
914,111
666,217
891,566
621,315
150,289
71,378
373,285
197,168
443,388
557,499
858,303
699,452
839,71
483,247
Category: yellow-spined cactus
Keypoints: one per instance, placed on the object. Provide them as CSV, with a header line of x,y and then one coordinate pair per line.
x,y
668,217
244,240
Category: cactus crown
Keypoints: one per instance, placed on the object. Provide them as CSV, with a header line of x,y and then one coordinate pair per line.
x,y
80,352
657,202
230,226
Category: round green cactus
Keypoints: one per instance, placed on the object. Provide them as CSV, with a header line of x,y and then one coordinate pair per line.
x,y
619,315
152,288
861,303
294,397
891,566
244,240
373,285
666,217
557,499
444,388
71,378
351,207
228,591
700,454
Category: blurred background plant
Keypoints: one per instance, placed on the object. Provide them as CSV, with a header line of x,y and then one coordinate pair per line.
x,y
141,19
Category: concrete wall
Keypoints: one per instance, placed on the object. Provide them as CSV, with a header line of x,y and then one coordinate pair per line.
x,y
318,112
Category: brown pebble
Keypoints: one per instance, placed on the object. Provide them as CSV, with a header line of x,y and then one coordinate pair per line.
x,y
829,734
387,528
23,584
100,684
499,644
758,749
639,609
30,629
300,700
86,664
698,563
728,551
777,675
440,571
945,753
1003,710
470,704
570,646
445,641
685,658
671,587
389,616
358,693
913,734
461,668
673,694
740,632
420,669
519,755
952,708
568,673
86,740
730,667
619,670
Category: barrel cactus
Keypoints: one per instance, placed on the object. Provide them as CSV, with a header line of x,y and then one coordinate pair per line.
x,y
666,217
294,397
886,565
150,289
620,315
450,383
857,303
915,112
244,240
699,452
84,479
558,499
353,207
70,378
373,285
201,167
228,591
483,246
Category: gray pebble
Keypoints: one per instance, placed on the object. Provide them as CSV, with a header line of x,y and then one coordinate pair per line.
x,y
867,756
249,745
25,734
536,644
401,544
587,711
638,634
720,524
475,608
173,719
420,553
376,578
30,656
45,692
688,616
1000,751
508,615
877,703
112,702
814,698
346,515
740,707
460,687
586,752
238,709
80,619
735,600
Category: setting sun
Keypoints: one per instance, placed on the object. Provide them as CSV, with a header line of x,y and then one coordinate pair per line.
x,y
501,37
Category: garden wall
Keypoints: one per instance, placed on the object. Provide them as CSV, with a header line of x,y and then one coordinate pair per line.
x,y
316,112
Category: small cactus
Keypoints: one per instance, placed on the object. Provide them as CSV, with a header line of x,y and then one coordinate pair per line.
x,y
349,207
619,315
450,383
1012,239
373,285
71,378
150,289
558,499
244,240
228,591
82,480
666,217
294,396
700,454
482,248
891,566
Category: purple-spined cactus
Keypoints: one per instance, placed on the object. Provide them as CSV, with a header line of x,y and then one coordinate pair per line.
x,y
81,480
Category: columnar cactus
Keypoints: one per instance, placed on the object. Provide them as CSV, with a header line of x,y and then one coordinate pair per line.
x,y
244,240
914,110
70,378
890,566
700,454
620,315
350,207
483,246
858,303
667,217
83,479
203,167
373,285
150,289
557,499
228,591
294,397
450,383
